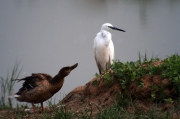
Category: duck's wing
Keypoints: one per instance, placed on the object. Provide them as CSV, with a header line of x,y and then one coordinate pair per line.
x,y
47,76
31,81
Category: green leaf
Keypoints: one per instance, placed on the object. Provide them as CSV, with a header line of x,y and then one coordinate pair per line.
x,y
95,82
169,100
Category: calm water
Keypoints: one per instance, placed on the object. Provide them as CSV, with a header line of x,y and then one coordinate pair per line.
x,y
47,35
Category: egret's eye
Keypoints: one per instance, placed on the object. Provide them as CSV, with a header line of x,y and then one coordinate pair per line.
x,y
109,26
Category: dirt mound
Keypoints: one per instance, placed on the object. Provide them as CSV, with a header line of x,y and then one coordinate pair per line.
x,y
92,96
96,97
150,85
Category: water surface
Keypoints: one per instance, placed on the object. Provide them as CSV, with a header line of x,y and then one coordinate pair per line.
x,y
47,35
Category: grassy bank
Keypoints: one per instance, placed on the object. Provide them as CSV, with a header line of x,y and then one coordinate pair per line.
x,y
158,101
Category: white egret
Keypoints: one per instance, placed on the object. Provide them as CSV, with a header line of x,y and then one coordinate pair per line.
x,y
104,48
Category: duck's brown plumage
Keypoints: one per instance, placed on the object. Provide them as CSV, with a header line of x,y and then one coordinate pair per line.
x,y
39,87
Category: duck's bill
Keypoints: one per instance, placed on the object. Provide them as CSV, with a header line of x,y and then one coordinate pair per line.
x,y
74,66
114,28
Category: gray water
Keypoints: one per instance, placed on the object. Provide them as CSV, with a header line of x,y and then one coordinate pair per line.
x,y
46,35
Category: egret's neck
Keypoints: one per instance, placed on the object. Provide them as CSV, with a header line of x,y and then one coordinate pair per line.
x,y
104,30
105,34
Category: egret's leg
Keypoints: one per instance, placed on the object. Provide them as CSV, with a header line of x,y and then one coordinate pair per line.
x,y
99,67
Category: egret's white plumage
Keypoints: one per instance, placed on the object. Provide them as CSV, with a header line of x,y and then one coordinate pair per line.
x,y
104,48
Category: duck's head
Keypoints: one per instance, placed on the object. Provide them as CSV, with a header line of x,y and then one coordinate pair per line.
x,y
66,70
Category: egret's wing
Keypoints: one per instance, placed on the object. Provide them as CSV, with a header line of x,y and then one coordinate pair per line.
x,y
111,55
111,52
95,56
108,64
97,63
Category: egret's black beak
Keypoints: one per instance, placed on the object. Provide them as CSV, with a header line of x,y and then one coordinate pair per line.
x,y
114,28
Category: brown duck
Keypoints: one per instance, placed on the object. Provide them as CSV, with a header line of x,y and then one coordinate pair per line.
x,y
39,87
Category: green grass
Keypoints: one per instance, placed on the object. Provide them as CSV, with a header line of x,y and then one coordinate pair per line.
x,y
7,85
120,111
128,72
60,113
124,107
